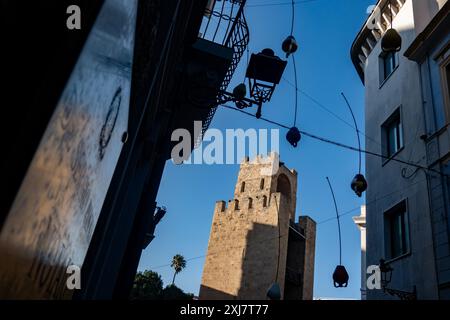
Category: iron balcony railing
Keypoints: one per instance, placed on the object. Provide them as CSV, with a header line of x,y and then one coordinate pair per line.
x,y
224,23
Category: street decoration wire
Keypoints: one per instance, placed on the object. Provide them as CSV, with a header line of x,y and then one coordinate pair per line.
x,y
342,145
338,221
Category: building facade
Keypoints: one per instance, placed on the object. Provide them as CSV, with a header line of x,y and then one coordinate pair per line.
x,y
254,240
360,222
406,119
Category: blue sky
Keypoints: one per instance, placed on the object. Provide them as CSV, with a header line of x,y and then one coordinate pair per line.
x,y
325,30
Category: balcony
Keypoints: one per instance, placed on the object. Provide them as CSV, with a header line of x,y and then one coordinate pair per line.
x,y
209,64
224,23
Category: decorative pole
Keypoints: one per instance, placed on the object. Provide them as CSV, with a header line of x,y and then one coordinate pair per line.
x,y
340,275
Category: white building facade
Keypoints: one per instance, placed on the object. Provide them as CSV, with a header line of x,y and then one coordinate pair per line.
x,y
360,222
407,112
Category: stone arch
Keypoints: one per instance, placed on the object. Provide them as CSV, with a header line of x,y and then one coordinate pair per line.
x,y
284,186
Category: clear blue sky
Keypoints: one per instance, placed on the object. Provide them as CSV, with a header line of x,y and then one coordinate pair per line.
x,y
325,30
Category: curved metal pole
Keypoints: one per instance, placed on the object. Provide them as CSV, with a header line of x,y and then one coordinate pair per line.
x,y
339,223
356,128
296,90
293,17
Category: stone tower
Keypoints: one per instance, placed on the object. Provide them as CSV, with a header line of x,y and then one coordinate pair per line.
x,y
254,240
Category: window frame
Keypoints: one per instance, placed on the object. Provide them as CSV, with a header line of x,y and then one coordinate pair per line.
x,y
382,66
388,235
444,63
396,116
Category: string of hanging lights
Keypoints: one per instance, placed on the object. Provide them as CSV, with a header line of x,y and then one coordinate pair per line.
x,y
342,145
286,235
290,46
264,71
359,183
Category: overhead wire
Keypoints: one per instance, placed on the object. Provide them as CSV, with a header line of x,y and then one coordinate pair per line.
x,y
339,144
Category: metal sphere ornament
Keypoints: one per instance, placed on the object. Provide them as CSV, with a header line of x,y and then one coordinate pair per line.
x,y
293,136
289,45
239,92
359,184
391,41
340,277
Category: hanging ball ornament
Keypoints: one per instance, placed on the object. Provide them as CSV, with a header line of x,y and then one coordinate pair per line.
x,y
239,92
289,45
293,136
274,292
391,41
359,184
340,277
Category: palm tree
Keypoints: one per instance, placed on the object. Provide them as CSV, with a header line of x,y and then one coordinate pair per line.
x,y
178,264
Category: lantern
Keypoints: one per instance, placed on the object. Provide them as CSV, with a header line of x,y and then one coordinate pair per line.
x,y
391,41
239,92
274,292
289,45
293,136
386,273
359,184
340,277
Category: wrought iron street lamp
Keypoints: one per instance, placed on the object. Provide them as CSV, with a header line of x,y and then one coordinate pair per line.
x,y
386,277
264,72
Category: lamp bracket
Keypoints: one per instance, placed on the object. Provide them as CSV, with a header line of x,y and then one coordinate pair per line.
x,y
240,103
403,295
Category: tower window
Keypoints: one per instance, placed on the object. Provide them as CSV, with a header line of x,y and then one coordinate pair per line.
x,y
243,186
264,201
250,203
261,184
236,204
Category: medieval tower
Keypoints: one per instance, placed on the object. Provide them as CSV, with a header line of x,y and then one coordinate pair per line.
x,y
254,240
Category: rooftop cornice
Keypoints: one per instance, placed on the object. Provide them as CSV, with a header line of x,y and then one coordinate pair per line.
x,y
372,31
